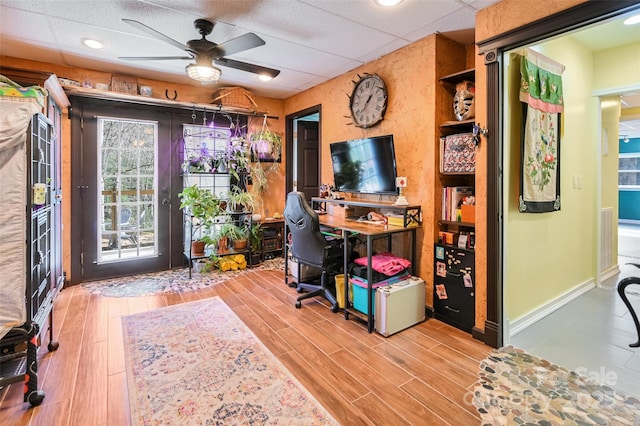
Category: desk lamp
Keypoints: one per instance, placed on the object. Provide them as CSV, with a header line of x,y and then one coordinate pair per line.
x,y
401,182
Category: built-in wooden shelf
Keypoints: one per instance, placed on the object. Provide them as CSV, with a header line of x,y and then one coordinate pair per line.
x,y
146,100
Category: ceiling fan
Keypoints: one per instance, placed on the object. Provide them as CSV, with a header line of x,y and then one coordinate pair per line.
x,y
206,53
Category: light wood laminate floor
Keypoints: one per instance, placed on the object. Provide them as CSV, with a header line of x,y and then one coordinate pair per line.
x,y
423,375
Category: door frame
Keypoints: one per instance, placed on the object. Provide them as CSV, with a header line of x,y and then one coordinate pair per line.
x,y
289,143
492,49
88,109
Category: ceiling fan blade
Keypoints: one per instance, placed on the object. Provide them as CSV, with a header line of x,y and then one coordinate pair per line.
x,y
156,34
153,58
243,66
244,42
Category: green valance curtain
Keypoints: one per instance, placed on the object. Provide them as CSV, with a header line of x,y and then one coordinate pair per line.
x,y
541,82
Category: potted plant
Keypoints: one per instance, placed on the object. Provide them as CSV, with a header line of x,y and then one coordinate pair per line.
x,y
198,162
236,233
241,240
266,145
219,162
202,206
239,200
237,157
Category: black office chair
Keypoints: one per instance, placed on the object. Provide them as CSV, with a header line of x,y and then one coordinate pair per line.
x,y
310,247
622,285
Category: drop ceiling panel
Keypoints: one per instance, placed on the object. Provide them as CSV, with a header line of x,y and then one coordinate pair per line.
x,y
296,57
407,17
310,41
14,24
463,18
315,28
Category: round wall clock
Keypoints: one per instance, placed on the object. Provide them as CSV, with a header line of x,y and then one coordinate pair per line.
x,y
368,101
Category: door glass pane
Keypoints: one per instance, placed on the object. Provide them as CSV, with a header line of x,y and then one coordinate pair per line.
x,y
128,188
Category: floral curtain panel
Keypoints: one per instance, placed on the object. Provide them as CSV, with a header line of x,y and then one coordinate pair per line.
x,y
541,96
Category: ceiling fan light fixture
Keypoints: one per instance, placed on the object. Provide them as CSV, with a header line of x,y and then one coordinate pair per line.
x,y
203,73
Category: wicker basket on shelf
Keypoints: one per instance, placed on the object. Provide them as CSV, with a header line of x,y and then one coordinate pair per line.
x,y
235,97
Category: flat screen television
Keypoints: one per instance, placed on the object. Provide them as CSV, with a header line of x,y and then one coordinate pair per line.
x,y
365,165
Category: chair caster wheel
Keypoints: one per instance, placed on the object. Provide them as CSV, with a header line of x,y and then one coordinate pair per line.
x,y
299,290
334,308
35,398
298,305
52,346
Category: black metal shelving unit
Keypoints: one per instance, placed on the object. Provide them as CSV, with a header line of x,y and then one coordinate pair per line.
x,y
18,348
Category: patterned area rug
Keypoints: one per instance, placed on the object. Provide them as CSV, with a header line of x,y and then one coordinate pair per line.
x,y
173,281
519,388
198,364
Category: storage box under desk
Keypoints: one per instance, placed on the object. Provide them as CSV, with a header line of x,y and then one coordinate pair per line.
x,y
305,271
399,306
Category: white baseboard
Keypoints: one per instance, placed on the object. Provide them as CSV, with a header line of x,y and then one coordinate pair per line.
x,y
517,325
609,278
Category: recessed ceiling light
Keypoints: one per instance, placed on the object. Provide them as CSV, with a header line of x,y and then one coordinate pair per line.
x,y
94,44
633,20
387,3
263,77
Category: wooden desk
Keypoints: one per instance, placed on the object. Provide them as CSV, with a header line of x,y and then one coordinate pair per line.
x,y
411,214
371,232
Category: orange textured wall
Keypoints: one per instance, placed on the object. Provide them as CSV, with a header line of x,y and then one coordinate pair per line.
x,y
273,197
411,75
510,14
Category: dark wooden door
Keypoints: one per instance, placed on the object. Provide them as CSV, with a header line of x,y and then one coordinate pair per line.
x,y
308,160
110,242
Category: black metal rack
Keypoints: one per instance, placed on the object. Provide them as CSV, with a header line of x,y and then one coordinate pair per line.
x,y
18,348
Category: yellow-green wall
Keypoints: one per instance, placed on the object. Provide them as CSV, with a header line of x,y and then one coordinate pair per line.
x,y
549,254
610,112
614,69
617,68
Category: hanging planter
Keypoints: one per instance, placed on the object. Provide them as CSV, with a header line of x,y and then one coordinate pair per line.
x,y
265,145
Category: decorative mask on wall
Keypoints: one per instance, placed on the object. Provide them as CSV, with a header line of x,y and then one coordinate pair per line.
x,y
463,101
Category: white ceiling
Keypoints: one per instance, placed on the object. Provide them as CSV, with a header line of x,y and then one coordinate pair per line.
x,y
310,41
606,36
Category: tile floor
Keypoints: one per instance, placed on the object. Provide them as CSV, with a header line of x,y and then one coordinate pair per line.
x,y
591,334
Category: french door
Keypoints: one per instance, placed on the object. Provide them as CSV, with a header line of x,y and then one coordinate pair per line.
x,y
125,190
